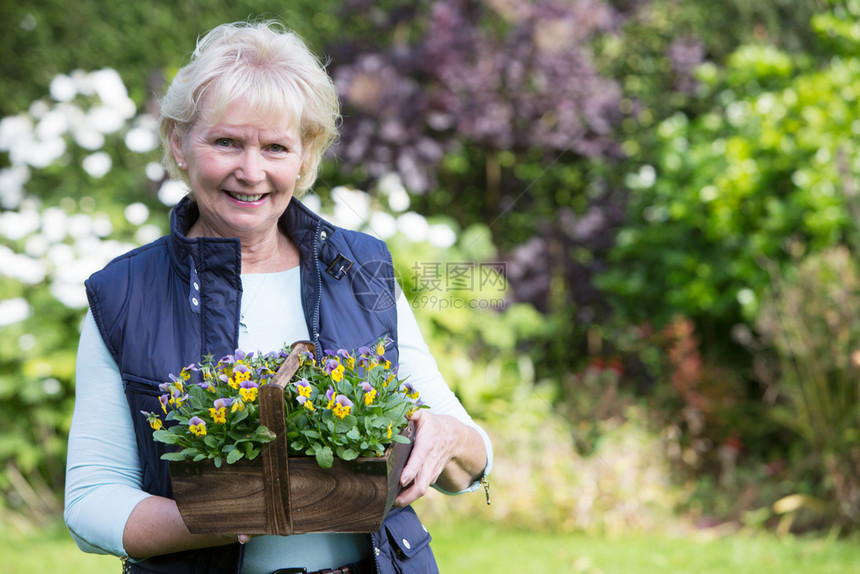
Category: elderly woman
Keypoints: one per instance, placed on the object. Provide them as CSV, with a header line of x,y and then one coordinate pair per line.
x,y
245,265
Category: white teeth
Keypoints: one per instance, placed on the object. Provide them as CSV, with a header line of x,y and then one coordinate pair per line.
x,y
248,198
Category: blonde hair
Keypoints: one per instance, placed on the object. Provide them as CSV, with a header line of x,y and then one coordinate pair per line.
x,y
270,69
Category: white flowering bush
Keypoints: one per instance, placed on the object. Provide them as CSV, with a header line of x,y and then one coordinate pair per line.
x,y
74,193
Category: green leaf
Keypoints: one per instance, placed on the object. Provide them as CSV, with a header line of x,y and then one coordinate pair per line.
x,y
297,445
354,434
166,436
347,454
263,434
234,456
324,457
173,456
240,416
400,438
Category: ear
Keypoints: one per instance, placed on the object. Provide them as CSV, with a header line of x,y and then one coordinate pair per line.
x,y
176,147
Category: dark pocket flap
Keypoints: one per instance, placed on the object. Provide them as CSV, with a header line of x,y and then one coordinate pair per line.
x,y
406,532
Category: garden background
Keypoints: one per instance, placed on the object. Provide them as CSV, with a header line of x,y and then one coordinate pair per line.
x,y
629,229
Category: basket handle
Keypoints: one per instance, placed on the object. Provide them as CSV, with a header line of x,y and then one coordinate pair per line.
x,y
276,472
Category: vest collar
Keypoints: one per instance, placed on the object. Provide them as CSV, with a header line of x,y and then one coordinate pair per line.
x,y
300,224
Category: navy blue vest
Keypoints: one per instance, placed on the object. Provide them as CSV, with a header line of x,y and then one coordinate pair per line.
x,y
169,303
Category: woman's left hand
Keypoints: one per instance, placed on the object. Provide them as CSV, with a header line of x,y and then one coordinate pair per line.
x,y
445,451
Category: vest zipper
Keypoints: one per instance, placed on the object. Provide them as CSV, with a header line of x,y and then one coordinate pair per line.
x,y
316,317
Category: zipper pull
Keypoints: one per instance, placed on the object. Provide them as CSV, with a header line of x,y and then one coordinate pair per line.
x,y
486,484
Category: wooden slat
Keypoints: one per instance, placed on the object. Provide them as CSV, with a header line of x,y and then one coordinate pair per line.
x,y
276,469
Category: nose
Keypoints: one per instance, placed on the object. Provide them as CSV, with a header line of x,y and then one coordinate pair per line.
x,y
250,168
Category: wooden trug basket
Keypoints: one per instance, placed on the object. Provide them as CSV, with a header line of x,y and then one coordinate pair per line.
x,y
279,494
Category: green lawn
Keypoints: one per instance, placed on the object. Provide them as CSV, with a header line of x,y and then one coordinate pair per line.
x,y
474,547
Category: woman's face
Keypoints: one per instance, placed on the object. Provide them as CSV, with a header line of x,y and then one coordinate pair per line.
x,y
242,168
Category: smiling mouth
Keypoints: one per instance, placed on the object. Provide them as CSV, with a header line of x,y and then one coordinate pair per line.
x,y
245,198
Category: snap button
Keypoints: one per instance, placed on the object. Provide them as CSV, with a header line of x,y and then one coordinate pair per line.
x,y
323,235
196,286
194,301
406,544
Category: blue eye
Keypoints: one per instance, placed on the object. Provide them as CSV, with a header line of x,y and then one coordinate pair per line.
x,y
222,142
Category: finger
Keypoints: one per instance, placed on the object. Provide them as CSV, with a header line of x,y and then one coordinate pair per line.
x,y
423,450
410,494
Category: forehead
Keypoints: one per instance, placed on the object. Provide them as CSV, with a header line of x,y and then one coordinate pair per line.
x,y
240,115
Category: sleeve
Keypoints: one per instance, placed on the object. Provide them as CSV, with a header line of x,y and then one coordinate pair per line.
x,y
420,367
103,477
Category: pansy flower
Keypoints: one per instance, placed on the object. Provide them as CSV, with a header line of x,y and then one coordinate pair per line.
x,y
410,391
305,402
186,371
153,420
334,369
264,374
241,373
305,358
337,373
369,393
349,360
303,387
248,391
219,411
177,397
197,426
342,406
330,363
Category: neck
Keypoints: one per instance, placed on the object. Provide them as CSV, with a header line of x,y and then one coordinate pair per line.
x,y
263,255
271,253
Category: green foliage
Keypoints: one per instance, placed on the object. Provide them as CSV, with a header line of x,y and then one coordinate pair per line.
x,y
757,170
732,187
144,41
809,318
216,416
350,405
